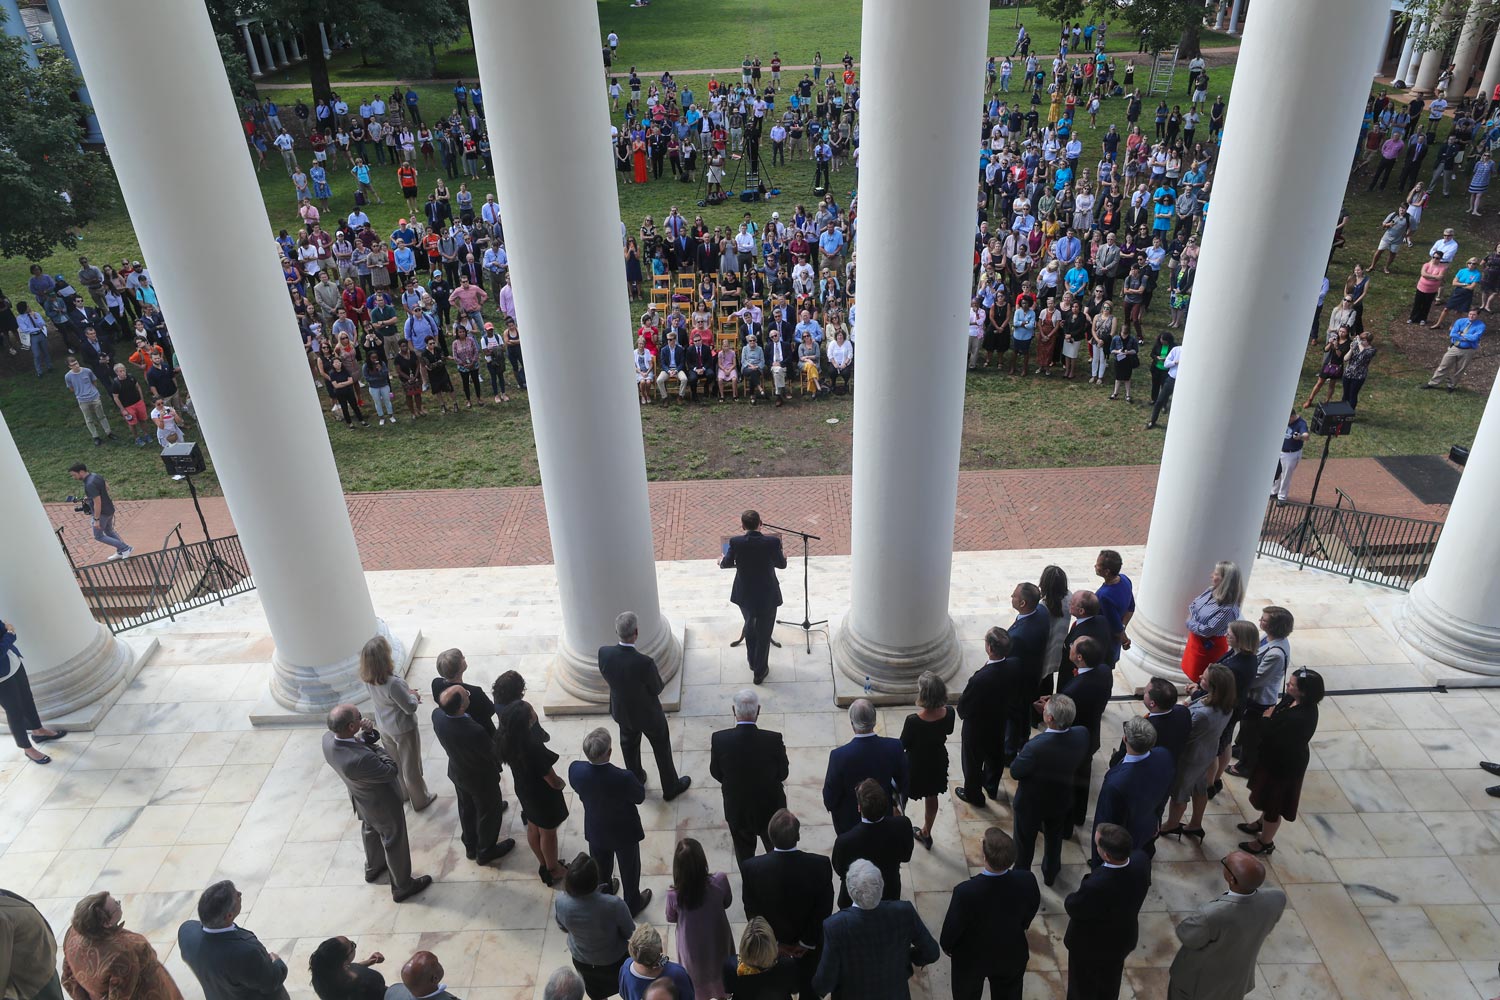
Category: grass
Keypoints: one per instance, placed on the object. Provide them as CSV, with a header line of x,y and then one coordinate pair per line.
x,y
1065,424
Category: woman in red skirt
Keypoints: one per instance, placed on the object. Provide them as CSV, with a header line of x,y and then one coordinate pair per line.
x,y
1208,620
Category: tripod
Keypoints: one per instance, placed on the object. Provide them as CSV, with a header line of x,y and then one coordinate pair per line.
x,y
218,575
1305,530
806,624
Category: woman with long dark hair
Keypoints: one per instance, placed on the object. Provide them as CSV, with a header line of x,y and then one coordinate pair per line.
x,y
521,744
337,976
1276,781
598,926
1053,584
696,903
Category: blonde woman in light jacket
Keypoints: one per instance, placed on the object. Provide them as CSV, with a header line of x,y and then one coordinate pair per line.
x,y
395,713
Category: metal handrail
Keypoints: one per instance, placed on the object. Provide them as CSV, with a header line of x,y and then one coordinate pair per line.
x,y
128,593
172,569
1385,549
58,531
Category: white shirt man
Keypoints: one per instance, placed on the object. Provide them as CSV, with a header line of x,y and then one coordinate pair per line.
x,y
1447,246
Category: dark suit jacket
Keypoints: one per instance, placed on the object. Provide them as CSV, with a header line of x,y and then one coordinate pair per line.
x,y
985,929
1096,627
1045,770
634,682
887,845
749,763
1090,692
700,356
878,757
233,965
609,795
672,357
1028,642
869,954
983,704
1103,912
1172,731
755,558
1132,794
793,890
481,709
470,750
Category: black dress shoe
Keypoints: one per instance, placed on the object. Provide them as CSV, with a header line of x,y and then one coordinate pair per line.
x,y
759,677
417,885
372,878
58,734
500,850
682,786
1047,880
1493,791
645,902
611,889
963,796
1488,765
470,853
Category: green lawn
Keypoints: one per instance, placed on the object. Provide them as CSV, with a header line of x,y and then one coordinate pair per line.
x,y
1066,424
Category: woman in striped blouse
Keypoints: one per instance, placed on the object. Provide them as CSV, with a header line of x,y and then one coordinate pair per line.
x,y
1208,619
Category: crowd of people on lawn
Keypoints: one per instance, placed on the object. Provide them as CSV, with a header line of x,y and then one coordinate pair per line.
x,y
1032,720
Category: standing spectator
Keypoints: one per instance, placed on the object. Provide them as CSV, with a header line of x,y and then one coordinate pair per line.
x,y
1276,781
612,828
750,764
1241,661
1116,599
882,836
1429,283
793,891
1331,372
85,388
229,961
1103,916
396,712
16,700
1169,366
1134,790
1465,282
1395,230
521,744
563,984
1479,181
31,327
352,748
100,508
648,963
1210,710
104,961
1272,658
341,383
870,948
335,975
377,378
1208,619
1463,339
985,706
1292,441
759,971
598,926
865,756
1044,771
475,773
1222,938
127,396
755,558
1090,689
696,903
984,932
634,686
924,736
1357,366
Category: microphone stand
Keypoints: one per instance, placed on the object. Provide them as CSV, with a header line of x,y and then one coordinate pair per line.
x,y
806,624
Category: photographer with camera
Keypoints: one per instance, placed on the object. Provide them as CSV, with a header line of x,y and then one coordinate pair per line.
x,y
101,518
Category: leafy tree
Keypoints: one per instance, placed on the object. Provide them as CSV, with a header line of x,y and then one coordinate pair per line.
x,y
1168,22
50,186
1444,20
235,67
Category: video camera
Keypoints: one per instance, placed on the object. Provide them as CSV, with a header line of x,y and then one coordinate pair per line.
x,y
82,504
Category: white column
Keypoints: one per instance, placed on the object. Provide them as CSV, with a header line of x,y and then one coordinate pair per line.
x,y
1491,75
1452,614
1433,63
1468,48
265,48
559,201
281,47
294,36
1234,17
323,34
71,660
916,203
1413,59
250,51
1239,369
65,40
16,28
1219,16
259,410
1407,48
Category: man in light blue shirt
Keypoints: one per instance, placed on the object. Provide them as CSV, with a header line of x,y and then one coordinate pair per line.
x,y
1464,341
830,242
806,324
1067,248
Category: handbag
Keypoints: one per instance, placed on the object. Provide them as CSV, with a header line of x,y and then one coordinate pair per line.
x,y
1332,367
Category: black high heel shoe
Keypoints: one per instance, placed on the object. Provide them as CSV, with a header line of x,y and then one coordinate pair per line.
x,y
1250,828
1192,834
1256,847
1175,831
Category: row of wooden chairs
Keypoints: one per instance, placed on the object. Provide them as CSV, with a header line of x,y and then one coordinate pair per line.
x,y
684,290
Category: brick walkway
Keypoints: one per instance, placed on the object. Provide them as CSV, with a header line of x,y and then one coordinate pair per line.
x,y
1008,509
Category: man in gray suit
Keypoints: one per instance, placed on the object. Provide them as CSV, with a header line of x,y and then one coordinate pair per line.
x,y
421,977
1222,938
352,748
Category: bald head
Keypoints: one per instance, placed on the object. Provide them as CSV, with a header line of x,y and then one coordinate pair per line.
x,y
343,719
422,974
1243,872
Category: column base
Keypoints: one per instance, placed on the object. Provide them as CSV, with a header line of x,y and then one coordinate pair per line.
x,y
1156,650
1427,629
299,692
575,686
78,693
890,672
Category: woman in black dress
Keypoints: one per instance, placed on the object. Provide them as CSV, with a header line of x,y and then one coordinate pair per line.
x,y
1276,781
337,976
436,360
924,738
758,972
521,744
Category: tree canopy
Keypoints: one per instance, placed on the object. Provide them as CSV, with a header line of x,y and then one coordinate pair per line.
x,y
50,185
1168,23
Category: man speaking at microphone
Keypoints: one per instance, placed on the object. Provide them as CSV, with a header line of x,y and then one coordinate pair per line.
x,y
755,558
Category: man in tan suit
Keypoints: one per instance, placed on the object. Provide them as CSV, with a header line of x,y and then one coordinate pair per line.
x,y
352,748
1221,939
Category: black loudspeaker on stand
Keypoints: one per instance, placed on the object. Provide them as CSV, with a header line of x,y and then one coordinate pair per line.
x,y
806,624
184,460
1330,420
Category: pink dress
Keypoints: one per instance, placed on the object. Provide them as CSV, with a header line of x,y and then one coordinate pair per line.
x,y
704,939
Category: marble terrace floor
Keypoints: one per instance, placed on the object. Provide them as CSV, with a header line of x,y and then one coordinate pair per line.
x,y
1392,870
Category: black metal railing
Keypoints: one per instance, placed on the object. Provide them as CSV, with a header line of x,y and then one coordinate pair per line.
x,y
1383,549
181,575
